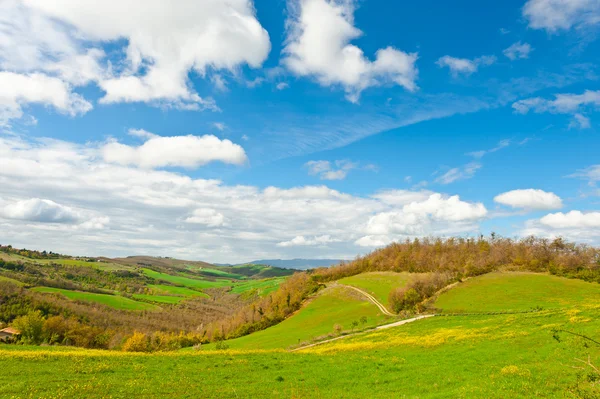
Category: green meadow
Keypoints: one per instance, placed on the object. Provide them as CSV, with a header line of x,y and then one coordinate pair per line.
x,y
379,284
487,356
543,353
260,287
187,281
334,305
114,301
498,292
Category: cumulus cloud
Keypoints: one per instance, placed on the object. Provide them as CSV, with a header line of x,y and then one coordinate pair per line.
x,y
40,210
318,45
530,199
185,151
45,211
566,103
556,15
573,219
465,66
518,50
161,212
574,225
303,241
445,215
207,217
18,90
160,47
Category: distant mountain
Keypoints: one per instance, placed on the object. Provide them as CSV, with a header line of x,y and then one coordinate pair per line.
x,y
299,264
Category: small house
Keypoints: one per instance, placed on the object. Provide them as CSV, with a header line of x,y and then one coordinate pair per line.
x,y
9,334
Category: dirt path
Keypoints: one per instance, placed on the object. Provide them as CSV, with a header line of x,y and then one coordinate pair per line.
x,y
372,299
383,327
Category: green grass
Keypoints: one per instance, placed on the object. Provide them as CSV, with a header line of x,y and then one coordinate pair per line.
x,y
114,301
220,273
496,292
160,298
187,281
260,287
379,284
476,356
65,261
161,289
12,280
492,357
335,305
169,294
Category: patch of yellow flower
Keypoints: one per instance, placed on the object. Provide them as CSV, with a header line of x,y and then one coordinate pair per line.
x,y
438,337
514,370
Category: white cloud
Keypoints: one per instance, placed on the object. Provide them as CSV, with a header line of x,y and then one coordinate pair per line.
x,y
555,15
443,214
530,199
44,211
592,174
282,86
464,65
141,133
160,47
303,241
580,122
207,217
567,103
319,33
185,151
338,171
518,50
40,210
18,90
573,219
147,210
462,173
480,154
219,126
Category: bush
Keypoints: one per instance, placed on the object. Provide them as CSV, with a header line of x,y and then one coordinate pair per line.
x,y
31,327
138,342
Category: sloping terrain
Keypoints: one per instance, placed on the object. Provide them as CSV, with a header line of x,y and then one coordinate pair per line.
x,y
336,305
496,292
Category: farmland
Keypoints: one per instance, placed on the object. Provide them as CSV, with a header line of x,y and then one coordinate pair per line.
x,y
509,355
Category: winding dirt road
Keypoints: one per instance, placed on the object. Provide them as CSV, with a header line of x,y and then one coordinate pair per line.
x,y
373,300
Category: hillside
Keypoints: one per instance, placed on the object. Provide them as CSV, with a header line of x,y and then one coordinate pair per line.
x,y
540,353
115,297
300,264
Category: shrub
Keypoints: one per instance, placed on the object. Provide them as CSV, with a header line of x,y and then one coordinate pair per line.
x,y
138,342
31,326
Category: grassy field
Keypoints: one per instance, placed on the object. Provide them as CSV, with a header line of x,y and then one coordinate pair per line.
x,y
219,273
108,266
523,355
379,284
516,291
260,287
114,301
187,281
504,356
169,294
336,305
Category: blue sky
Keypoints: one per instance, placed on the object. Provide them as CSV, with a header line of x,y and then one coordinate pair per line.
x,y
233,130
